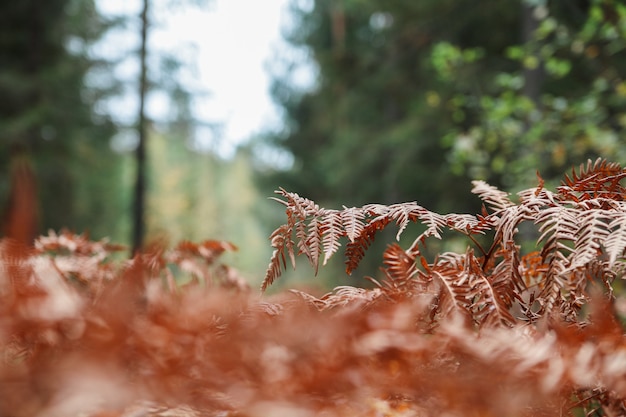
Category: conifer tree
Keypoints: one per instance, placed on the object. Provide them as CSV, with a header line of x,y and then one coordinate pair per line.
x,y
48,113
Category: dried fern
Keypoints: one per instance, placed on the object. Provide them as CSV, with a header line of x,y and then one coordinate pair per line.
x,y
579,224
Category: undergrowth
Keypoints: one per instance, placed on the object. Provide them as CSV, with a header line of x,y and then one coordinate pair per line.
x,y
495,330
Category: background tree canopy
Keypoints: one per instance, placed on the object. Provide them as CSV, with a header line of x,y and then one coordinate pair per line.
x,y
48,113
413,99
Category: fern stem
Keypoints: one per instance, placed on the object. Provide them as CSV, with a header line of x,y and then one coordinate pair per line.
x,y
480,248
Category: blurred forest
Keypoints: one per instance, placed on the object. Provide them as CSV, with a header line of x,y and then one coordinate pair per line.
x,y
414,99
411,101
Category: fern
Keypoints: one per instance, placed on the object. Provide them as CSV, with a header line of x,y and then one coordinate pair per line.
x,y
615,242
578,224
80,332
332,230
496,199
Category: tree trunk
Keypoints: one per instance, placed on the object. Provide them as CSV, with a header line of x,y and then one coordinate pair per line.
x,y
140,152
533,77
21,216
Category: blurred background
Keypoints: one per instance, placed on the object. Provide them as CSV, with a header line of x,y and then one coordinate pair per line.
x,y
163,120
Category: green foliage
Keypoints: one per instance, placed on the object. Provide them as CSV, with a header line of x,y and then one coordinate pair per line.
x,y
577,53
195,195
413,100
371,127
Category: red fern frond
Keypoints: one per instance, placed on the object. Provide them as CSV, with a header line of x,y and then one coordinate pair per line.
x,y
209,250
495,293
590,237
300,206
332,230
455,283
281,242
400,267
314,241
532,270
355,251
599,179
615,242
493,197
353,223
559,227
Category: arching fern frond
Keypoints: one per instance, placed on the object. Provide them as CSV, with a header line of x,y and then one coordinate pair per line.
x,y
599,179
355,251
581,231
352,219
281,242
592,234
615,242
454,284
400,267
494,198
332,231
559,227
497,290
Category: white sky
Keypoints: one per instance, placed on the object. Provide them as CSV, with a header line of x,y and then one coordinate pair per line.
x,y
235,41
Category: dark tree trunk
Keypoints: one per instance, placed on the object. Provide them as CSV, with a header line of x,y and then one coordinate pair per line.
x,y
533,77
21,215
140,153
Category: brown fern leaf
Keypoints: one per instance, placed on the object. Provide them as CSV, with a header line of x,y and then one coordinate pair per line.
x,y
532,270
455,284
313,242
406,213
301,207
200,261
435,222
507,220
599,179
495,293
345,296
78,259
352,219
469,224
355,251
590,237
281,242
209,250
615,242
401,214
550,298
332,230
299,210
66,243
495,199
317,303
535,198
400,269
559,227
